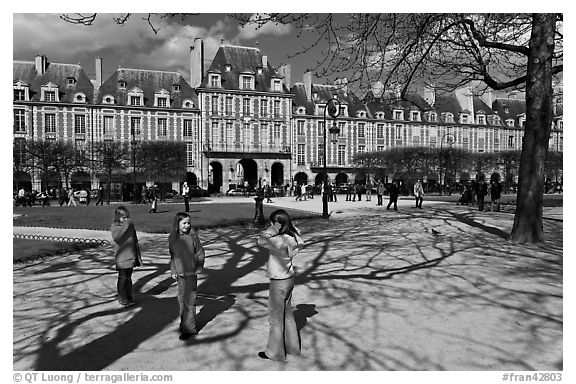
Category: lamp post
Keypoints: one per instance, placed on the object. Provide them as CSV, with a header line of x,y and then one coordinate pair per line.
x,y
207,149
133,131
451,140
333,109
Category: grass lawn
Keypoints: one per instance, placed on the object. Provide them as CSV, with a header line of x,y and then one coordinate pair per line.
x,y
100,217
25,249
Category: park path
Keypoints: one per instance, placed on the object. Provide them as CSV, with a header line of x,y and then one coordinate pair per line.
x,y
432,289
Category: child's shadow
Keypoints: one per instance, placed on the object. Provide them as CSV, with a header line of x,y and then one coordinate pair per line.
x,y
302,313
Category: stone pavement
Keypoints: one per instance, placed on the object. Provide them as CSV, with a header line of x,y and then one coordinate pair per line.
x,y
432,289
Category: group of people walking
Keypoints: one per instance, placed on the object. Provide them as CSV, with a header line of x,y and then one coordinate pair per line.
x,y
475,193
283,241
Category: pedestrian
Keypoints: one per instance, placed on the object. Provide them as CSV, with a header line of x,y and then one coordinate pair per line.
x,y
186,194
127,251
283,241
144,195
369,187
495,193
62,196
100,196
394,190
71,198
298,192
268,194
21,195
333,190
380,192
186,262
419,193
154,205
481,192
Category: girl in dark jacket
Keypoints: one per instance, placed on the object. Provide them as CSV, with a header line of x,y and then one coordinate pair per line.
x,y
127,254
186,261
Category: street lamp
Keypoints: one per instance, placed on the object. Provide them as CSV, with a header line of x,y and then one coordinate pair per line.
x,y
451,141
207,149
133,131
334,112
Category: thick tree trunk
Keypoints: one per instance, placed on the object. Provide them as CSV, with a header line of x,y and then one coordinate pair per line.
x,y
529,201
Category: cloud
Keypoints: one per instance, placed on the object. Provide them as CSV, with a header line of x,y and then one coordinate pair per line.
x,y
252,30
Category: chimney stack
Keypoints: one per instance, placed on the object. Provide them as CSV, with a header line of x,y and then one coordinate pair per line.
x,y
98,72
264,61
430,94
308,85
196,63
286,71
41,64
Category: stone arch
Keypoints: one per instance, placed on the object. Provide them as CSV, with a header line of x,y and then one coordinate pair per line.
x,y
341,178
80,180
215,177
277,175
22,179
301,178
249,172
49,180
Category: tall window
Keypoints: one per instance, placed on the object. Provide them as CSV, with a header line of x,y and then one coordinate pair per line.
x,y
300,127
228,105
80,145
276,108
162,102
79,124
135,100
263,108
341,155
19,121
49,95
135,127
301,154
247,135
19,95
230,134
277,134
398,130
342,126
214,105
216,135
189,155
320,154
108,128
380,131
162,127
321,128
246,107
361,132
50,123
510,141
187,128
20,149
361,148
264,135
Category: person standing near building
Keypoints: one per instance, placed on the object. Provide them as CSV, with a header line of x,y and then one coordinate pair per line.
x,y
100,196
283,241
481,192
369,187
380,192
71,198
419,193
186,262
186,194
127,254
495,194
394,191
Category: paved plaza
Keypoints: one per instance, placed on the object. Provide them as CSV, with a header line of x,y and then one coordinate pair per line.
x,y
434,289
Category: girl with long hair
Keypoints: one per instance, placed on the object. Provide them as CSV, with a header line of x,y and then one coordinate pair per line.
x,y
186,261
283,240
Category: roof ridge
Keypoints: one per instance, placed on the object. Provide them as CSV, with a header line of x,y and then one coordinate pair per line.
x,y
240,46
149,70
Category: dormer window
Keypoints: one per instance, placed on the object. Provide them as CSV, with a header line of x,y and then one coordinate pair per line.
x,y
227,67
448,117
521,120
247,81
162,99
79,98
21,91
188,104
259,70
315,95
176,87
398,114
496,120
506,109
108,99
71,81
361,114
301,110
136,97
49,92
560,124
276,85
463,119
481,119
432,117
121,84
380,115
510,122
214,80
415,116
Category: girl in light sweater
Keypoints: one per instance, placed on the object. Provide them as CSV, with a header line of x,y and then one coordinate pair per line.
x,y
283,241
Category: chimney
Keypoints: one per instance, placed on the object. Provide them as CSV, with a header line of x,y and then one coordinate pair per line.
x,y
264,61
285,71
308,85
41,64
98,72
221,41
430,94
196,63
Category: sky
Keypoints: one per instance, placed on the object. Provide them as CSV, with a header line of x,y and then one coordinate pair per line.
x,y
135,45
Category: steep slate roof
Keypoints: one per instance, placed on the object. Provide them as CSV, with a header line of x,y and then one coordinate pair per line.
x,y
241,60
480,105
447,103
149,82
516,107
325,93
56,73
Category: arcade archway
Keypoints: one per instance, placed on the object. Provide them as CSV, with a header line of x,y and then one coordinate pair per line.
x,y
249,172
277,177
80,180
341,178
215,177
301,178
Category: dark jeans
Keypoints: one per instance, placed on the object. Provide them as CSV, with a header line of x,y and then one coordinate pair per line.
x,y
379,200
480,202
394,199
187,286
124,285
283,337
186,204
419,201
